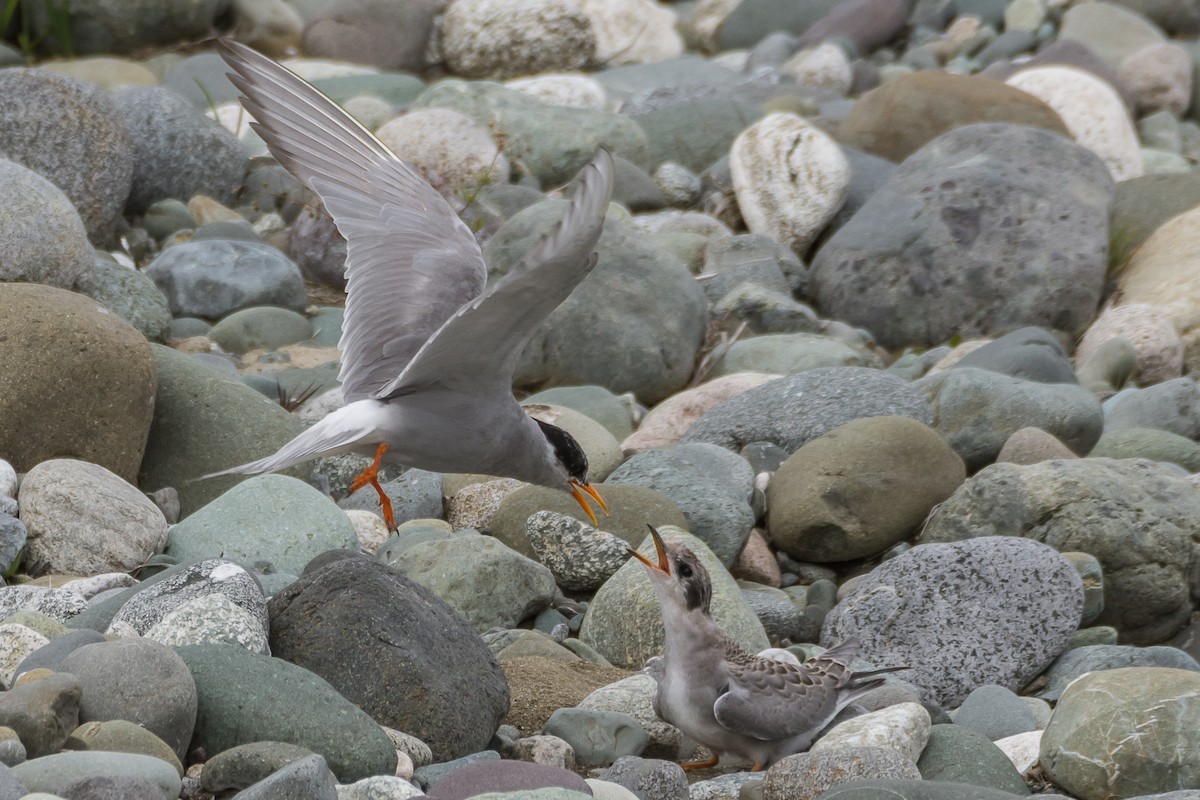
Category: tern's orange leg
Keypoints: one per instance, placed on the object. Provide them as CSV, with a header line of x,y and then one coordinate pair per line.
x,y
371,475
711,761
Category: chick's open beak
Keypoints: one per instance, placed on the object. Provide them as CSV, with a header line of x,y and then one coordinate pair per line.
x,y
660,549
581,492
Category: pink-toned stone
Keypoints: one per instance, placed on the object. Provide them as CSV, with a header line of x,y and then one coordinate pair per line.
x,y
1033,446
1151,332
669,420
756,562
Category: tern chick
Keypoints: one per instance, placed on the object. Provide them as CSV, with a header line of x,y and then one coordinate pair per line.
x,y
428,353
732,702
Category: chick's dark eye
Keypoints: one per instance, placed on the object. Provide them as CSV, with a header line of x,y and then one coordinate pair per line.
x,y
685,571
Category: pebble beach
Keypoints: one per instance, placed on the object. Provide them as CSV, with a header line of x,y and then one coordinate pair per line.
x,y
894,324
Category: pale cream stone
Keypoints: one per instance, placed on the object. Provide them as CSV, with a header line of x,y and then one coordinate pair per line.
x,y
633,31
903,727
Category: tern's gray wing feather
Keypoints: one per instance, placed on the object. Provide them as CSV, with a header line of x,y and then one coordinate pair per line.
x,y
771,700
476,350
410,261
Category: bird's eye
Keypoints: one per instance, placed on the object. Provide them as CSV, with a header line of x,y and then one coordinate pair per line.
x,y
685,571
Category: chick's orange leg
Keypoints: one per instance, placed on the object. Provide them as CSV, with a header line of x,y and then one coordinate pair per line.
x,y
370,475
711,761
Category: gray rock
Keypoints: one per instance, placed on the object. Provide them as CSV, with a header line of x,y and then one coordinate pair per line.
x,y
260,327
247,764
867,173
245,697
213,278
634,188
635,696
43,712
977,410
213,619
139,681
318,248
308,777
995,712
1092,573
915,790
13,535
394,649
791,353
961,754
733,260
935,273
1100,657
644,341
780,617
150,603
859,489
51,655
480,777
416,494
610,410
165,217
481,578
765,311
386,35
178,151
84,520
131,296
59,604
1172,405
122,736
1151,444
813,774
798,408
553,142
202,79
598,738
431,774
1031,354
53,774
1081,748
581,557
1135,517
624,619
70,133
112,787
650,779
44,239
994,610
121,26
272,523
710,485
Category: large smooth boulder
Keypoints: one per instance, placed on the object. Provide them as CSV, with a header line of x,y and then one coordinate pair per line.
x,y
210,278
77,382
204,423
42,238
935,253
993,610
126,26
394,649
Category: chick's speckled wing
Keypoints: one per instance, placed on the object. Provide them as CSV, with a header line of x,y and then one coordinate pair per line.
x,y
772,700
410,261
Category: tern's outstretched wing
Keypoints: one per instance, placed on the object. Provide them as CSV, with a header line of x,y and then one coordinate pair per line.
x,y
476,350
410,261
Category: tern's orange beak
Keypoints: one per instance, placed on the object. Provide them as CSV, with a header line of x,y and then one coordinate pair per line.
x,y
581,492
660,548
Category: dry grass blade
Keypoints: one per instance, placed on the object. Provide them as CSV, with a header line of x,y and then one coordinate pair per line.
x,y
716,345
297,396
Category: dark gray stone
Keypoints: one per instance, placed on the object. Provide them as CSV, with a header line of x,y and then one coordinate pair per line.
x,y
1136,517
649,779
51,655
494,775
1031,354
751,20
318,248
976,410
247,764
605,333
394,648
956,753
993,610
43,713
390,36
916,790
111,787
216,277
12,539
245,697
1098,657
178,151
734,260
996,712
945,265
598,738
416,494
868,172
70,133
710,485
864,24
126,26
795,409
765,311
140,681
133,297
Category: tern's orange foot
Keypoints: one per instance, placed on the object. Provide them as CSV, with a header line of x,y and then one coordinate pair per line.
x,y
711,761
370,475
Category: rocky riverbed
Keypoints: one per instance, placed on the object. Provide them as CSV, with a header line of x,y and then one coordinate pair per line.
x,y
895,323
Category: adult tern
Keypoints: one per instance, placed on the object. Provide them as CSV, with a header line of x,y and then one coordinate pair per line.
x,y
428,353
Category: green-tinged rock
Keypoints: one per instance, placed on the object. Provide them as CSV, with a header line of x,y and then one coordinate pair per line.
x,y
789,353
1088,746
133,297
958,754
266,327
602,448
395,88
246,764
52,774
122,736
624,621
610,410
205,423
245,697
268,520
480,577
1151,443
553,142
598,737
630,509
